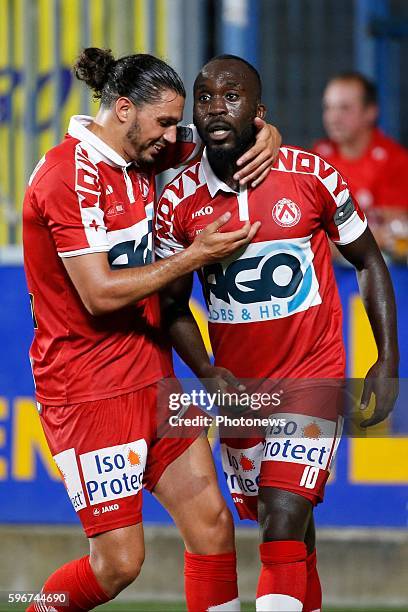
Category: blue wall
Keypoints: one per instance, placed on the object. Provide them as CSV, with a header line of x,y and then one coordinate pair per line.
x,y
30,492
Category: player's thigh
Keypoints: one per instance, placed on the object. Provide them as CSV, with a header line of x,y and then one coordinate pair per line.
x,y
189,491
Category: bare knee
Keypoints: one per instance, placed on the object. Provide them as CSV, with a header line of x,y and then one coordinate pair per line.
x,y
213,534
115,572
283,515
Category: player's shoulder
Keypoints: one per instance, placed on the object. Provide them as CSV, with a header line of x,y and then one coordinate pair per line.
x,y
56,163
302,161
185,185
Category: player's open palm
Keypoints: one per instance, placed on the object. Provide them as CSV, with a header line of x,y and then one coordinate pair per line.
x,y
214,245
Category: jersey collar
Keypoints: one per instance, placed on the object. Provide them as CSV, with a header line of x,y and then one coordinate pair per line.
x,y
78,129
214,184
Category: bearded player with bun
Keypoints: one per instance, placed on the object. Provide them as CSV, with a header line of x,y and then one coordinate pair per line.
x,y
97,354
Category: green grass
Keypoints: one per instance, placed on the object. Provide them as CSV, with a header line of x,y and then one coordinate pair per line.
x,y
245,607
152,606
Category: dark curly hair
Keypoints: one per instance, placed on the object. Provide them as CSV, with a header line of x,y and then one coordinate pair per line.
x,y
141,77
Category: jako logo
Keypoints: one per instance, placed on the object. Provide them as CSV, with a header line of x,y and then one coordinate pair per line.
x,y
110,508
205,210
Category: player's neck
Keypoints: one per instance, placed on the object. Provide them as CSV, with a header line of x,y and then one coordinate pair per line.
x,y
354,149
102,127
224,169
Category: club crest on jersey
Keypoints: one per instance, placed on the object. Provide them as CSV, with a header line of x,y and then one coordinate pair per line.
x,y
286,213
144,185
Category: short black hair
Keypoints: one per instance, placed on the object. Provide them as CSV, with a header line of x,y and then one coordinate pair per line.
x,y
227,56
370,95
141,77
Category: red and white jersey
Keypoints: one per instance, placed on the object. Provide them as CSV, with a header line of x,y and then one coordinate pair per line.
x,y
274,309
379,178
82,198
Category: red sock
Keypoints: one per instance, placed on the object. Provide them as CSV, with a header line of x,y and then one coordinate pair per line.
x,y
78,580
282,582
313,599
211,582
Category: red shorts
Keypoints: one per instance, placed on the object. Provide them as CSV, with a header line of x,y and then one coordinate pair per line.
x,y
106,451
294,455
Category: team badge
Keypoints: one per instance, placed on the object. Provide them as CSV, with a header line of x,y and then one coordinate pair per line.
x,y
144,185
286,213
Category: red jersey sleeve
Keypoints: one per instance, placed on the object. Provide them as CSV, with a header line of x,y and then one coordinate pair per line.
x,y
183,151
68,197
341,216
169,236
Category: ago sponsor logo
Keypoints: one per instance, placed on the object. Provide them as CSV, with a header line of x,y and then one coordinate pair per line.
x,y
306,440
114,472
241,468
270,280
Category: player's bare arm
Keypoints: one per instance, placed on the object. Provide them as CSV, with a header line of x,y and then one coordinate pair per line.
x,y
104,290
186,338
379,301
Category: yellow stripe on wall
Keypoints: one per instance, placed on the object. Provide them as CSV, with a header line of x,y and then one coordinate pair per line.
x,y
46,98
363,347
141,27
161,28
3,438
377,460
98,39
70,48
18,109
96,20
200,315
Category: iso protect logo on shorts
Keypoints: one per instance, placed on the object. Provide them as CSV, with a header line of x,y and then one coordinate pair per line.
x,y
286,213
114,472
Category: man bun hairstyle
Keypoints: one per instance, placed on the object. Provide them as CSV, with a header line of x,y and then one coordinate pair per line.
x,y
93,67
141,77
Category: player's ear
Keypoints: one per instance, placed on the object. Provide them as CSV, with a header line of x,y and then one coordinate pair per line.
x,y
261,111
372,112
123,108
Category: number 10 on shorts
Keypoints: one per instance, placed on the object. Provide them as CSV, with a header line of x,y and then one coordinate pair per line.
x,y
309,477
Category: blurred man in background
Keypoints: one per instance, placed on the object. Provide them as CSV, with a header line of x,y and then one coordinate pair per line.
x,y
98,355
274,313
375,166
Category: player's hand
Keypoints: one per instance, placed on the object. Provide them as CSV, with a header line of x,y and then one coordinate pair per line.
x,y
212,245
381,379
220,380
256,163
